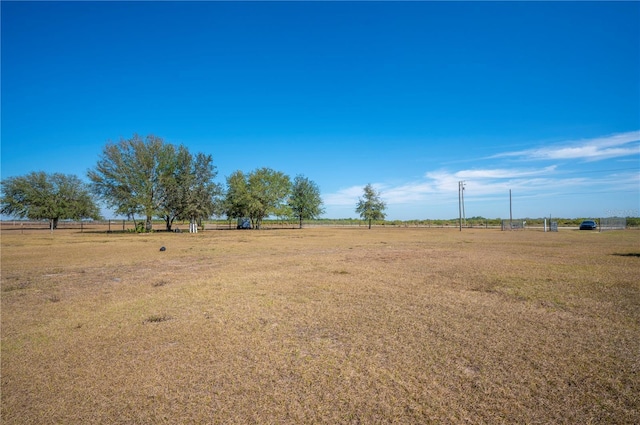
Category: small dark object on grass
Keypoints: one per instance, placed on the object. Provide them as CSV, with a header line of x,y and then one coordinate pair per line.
x,y
157,318
163,249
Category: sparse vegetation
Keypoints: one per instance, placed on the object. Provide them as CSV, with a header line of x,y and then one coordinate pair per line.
x,y
157,318
323,325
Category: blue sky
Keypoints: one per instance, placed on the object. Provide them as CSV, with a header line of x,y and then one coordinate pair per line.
x,y
540,98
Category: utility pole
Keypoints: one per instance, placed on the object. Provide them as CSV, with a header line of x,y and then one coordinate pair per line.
x,y
510,212
464,216
460,200
459,207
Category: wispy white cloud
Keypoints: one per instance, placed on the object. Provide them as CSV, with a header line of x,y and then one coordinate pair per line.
x,y
613,146
346,196
493,179
503,173
444,183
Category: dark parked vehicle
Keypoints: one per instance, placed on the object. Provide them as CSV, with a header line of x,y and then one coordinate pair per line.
x,y
244,223
588,225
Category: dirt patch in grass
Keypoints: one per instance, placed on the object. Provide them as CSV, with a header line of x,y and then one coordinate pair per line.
x,y
321,326
628,254
157,318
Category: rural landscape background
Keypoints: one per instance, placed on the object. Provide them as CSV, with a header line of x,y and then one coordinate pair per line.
x,y
540,98
321,325
377,148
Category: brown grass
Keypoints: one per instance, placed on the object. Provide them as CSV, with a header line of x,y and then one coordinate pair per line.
x,y
321,326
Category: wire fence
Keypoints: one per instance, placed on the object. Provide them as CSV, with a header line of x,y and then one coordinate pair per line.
x,y
124,226
24,226
613,223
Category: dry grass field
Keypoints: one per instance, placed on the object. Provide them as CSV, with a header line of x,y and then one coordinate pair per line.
x,y
337,326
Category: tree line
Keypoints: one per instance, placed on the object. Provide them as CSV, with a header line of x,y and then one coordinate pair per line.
x,y
146,177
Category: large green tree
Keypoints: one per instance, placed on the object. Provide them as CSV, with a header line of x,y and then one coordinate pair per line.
x,y
370,206
305,201
198,194
174,186
257,195
268,190
150,178
129,175
237,200
40,195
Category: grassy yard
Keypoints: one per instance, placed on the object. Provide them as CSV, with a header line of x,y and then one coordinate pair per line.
x,y
321,325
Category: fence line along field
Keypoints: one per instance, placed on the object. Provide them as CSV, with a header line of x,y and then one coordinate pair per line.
x,y
321,325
